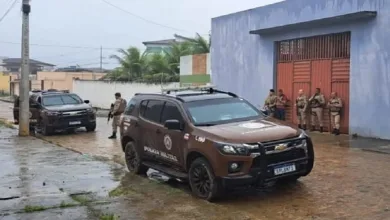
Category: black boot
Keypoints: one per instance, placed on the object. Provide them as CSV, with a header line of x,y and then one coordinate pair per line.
x,y
334,131
304,127
321,129
337,132
299,126
113,136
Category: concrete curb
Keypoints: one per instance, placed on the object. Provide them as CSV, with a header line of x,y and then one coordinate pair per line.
x,y
6,100
378,151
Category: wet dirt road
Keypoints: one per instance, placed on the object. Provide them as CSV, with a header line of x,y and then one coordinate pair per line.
x,y
346,183
39,180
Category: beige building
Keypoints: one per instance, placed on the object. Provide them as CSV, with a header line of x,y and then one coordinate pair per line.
x,y
55,80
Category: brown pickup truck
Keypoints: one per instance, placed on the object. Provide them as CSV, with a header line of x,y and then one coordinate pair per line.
x,y
213,139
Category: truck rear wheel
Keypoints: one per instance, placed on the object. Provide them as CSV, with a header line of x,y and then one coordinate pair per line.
x,y
202,180
133,160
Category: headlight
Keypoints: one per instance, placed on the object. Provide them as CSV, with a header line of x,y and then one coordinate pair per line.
x,y
90,110
51,113
235,149
304,141
303,134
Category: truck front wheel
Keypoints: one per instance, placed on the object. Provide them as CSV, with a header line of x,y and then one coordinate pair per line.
x,y
202,180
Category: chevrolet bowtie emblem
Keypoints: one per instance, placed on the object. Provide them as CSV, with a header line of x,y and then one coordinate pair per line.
x,y
281,147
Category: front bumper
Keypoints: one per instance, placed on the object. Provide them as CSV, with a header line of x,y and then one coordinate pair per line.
x,y
263,167
259,176
62,123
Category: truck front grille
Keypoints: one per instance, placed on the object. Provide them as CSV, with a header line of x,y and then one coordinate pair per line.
x,y
293,151
285,156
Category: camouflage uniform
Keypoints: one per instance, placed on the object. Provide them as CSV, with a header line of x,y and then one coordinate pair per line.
x,y
301,103
316,103
281,104
119,108
335,104
270,104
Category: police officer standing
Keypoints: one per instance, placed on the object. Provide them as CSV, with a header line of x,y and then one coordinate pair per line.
x,y
335,104
119,108
317,102
270,103
281,104
301,105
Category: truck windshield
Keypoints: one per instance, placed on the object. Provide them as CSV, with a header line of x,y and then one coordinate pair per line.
x,y
54,100
220,111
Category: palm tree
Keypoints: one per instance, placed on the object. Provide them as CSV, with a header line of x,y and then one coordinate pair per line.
x,y
133,63
200,44
158,64
177,50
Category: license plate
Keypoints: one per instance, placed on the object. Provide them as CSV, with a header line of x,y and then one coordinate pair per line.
x,y
284,169
74,122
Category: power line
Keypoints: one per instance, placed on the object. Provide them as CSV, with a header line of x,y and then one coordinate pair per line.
x,y
144,19
83,60
8,10
89,64
63,46
66,54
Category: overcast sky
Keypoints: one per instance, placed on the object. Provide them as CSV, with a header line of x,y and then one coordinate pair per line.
x,y
94,23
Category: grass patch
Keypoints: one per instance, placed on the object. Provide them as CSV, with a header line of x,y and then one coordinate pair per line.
x,y
67,205
119,191
123,191
80,199
108,217
4,123
30,208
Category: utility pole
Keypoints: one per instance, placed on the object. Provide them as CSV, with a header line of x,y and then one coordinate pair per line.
x,y
101,59
101,62
24,86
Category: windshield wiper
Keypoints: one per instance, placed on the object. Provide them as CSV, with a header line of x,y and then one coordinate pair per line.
x,y
205,124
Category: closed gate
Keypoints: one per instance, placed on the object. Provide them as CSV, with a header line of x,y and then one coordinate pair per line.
x,y
315,62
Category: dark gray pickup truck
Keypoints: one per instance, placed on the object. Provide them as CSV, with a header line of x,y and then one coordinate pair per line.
x,y
55,110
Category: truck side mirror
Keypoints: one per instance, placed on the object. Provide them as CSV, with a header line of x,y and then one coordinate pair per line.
x,y
173,124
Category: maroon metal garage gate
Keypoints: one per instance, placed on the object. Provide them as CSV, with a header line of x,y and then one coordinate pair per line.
x,y
308,63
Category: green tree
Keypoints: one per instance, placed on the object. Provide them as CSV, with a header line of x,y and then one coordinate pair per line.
x,y
132,62
178,50
200,44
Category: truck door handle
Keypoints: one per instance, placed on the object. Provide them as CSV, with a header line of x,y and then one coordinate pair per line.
x,y
158,131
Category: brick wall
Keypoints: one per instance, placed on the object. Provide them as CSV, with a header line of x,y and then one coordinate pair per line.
x,y
199,64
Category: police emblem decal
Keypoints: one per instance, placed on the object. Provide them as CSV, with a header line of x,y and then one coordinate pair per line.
x,y
168,142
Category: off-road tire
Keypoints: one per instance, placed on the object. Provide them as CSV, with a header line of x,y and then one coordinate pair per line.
x,y
45,130
90,128
215,186
133,160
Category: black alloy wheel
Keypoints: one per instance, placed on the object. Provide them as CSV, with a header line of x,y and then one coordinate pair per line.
x,y
133,161
202,180
45,130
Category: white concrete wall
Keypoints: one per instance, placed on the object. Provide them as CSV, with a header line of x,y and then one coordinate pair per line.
x,y
208,64
101,93
186,65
